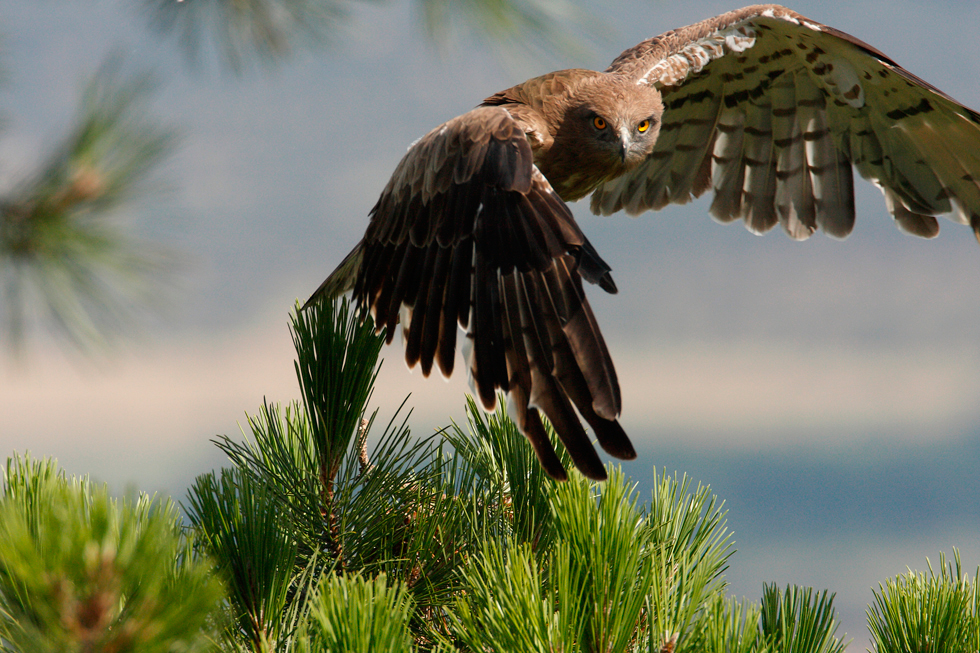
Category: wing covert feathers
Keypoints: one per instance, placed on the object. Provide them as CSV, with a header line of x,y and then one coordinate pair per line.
x,y
468,232
772,111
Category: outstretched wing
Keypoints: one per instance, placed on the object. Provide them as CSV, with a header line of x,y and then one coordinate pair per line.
x,y
469,232
771,110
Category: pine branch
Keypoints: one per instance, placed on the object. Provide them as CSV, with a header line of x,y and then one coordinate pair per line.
x,y
691,551
240,33
510,492
925,613
81,571
59,245
336,365
607,583
242,529
728,626
506,606
353,613
603,566
398,515
799,620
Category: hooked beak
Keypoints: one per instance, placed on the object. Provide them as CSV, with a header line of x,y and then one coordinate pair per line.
x,y
624,145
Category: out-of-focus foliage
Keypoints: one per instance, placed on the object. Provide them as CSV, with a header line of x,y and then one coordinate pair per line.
x,y
64,248
66,257
515,30
81,571
239,33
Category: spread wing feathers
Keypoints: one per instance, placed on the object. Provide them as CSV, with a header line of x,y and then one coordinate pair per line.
x,y
469,232
771,111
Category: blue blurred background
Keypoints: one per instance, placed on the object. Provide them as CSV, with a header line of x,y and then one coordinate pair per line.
x,y
827,391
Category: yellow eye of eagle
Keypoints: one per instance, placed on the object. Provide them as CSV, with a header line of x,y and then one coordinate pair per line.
x,y
643,126
599,123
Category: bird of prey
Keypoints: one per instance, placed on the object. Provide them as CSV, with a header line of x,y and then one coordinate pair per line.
x,y
769,110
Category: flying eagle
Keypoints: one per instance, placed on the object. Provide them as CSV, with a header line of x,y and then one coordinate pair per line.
x,y
766,108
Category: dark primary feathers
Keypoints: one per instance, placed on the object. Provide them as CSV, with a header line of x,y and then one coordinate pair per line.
x,y
766,108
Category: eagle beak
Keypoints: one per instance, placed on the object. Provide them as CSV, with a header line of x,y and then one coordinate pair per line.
x,y
624,145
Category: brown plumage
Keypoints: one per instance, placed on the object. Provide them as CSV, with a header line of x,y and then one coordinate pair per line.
x,y
766,108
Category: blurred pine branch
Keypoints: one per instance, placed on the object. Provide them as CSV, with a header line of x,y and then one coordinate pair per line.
x,y
81,571
64,249
241,33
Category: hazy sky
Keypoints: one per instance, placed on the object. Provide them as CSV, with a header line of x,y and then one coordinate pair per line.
x,y
815,386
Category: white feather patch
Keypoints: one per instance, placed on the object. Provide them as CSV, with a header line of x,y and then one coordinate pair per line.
x,y
694,56
771,13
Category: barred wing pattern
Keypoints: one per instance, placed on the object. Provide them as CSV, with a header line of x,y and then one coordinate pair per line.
x,y
469,232
771,111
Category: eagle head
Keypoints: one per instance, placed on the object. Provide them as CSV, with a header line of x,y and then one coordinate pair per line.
x,y
610,126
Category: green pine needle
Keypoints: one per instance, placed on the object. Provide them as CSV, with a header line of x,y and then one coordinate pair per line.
x,y
925,613
691,548
613,580
337,364
242,528
799,620
509,487
506,606
728,626
353,613
603,565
